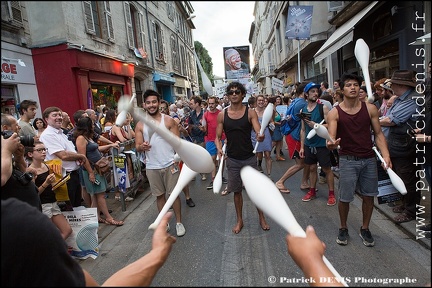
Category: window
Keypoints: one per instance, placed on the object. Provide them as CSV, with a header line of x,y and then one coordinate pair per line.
x,y
135,27
382,26
98,20
11,13
175,56
335,5
170,10
159,43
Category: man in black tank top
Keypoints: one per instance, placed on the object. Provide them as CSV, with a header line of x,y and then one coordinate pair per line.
x,y
237,121
350,124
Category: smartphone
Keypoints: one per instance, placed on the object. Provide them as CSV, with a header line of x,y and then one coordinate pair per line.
x,y
304,115
97,182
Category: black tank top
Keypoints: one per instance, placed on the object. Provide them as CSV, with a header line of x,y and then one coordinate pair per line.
x,y
48,195
355,133
238,135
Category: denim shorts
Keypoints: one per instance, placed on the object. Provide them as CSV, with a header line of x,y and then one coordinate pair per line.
x,y
360,175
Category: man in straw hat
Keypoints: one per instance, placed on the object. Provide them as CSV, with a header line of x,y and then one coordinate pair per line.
x,y
401,118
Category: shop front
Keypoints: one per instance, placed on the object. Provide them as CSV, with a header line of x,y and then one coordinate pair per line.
x,y
17,78
72,79
164,84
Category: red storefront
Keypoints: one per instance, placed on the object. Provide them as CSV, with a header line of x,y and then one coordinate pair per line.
x,y
72,79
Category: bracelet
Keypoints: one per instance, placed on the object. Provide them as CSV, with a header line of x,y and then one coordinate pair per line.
x,y
43,187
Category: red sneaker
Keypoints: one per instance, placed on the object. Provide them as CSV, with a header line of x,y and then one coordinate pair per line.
x,y
331,200
309,196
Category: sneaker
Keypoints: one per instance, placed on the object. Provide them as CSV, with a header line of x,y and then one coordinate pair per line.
x,y
128,199
210,186
190,202
331,200
322,180
168,227
309,196
203,177
342,238
367,238
224,181
260,169
180,229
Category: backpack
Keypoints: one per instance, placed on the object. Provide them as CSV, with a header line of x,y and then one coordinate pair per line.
x,y
287,126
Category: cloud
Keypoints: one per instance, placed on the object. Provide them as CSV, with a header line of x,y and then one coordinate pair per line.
x,y
222,24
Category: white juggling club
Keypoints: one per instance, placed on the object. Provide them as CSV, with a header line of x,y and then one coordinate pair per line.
x,y
265,195
322,132
312,132
223,149
186,175
361,52
193,155
267,115
217,182
394,178
124,105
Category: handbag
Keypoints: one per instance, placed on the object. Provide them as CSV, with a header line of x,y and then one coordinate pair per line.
x,y
102,166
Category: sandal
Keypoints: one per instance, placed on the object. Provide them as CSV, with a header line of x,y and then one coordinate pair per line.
x,y
283,189
403,217
102,221
114,222
225,192
398,209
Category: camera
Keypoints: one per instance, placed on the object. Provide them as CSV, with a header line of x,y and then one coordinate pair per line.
x,y
304,115
22,178
26,140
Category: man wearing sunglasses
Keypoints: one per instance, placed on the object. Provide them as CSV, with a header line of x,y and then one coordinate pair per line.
x,y
237,121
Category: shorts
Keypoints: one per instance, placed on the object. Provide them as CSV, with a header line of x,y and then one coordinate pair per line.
x,y
211,147
92,188
293,147
233,167
319,155
361,175
163,180
51,209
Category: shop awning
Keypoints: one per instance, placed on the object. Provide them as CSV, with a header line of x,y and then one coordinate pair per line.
x,y
342,36
423,40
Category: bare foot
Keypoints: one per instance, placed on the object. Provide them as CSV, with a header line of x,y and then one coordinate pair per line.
x,y
238,227
264,225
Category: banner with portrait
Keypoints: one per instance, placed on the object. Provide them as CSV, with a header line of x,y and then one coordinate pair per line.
x,y
237,59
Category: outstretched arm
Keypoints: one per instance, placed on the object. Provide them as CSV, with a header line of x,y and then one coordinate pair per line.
x,y
308,254
142,271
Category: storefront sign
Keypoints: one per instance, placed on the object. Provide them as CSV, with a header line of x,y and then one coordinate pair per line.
x,y
163,77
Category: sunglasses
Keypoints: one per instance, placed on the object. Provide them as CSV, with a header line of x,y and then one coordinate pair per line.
x,y
231,92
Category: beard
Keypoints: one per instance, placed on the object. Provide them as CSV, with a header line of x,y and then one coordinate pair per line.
x,y
153,113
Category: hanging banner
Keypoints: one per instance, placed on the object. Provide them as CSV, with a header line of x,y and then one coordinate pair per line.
x,y
299,22
236,62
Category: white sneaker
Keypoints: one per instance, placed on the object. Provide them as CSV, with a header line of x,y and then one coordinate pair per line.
x,y
203,177
180,229
128,199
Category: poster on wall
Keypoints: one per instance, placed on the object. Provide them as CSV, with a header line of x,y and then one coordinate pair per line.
x,y
237,60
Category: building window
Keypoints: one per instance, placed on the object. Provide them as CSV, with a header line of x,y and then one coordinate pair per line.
x,y
382,26
135,28
98,20
159,43
11,13
175,52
